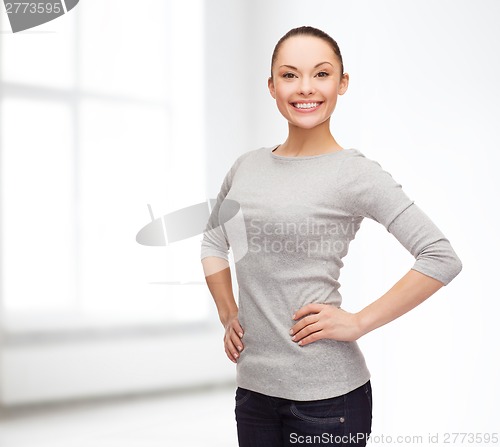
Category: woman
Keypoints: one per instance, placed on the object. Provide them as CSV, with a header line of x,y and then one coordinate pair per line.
x,y
300,374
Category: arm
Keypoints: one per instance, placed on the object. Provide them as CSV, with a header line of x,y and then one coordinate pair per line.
x,y
436,263
215,260
319,321
410,291
435,266
218,278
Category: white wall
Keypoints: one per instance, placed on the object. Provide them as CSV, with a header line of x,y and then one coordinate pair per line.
x,y
106,363
227,98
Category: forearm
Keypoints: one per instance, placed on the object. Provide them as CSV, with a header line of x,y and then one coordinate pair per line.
x,y
411,290
218,278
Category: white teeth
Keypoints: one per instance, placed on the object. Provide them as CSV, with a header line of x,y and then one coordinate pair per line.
x,y
309,105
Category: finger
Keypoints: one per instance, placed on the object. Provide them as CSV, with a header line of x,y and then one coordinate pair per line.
x,y
312,338
230,347
310,329
308,309
306,321
236,341
237,328
229,355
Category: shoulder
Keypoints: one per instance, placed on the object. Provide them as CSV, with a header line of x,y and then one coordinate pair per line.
x,y
249,155
357,164
363,175
252,157
358,174
368,190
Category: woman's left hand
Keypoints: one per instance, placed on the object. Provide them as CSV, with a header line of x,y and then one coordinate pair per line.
x,y
319,321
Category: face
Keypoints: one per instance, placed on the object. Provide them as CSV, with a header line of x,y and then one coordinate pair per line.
x,y
306,81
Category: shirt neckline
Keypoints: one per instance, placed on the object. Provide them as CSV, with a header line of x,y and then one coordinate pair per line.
x,y
307,157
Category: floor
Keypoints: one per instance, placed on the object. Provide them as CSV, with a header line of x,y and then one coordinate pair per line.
x,y
198,418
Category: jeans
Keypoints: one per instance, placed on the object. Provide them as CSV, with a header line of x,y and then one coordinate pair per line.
x,y
265,421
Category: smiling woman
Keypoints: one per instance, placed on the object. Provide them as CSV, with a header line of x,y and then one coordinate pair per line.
x,y
300,372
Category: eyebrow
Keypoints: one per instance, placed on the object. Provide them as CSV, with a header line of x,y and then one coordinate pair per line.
x,y
316,66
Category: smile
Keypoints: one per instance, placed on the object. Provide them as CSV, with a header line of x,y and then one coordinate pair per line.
x,y
306,105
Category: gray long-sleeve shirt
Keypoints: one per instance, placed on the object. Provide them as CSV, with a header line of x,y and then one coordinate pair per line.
x,y
289,222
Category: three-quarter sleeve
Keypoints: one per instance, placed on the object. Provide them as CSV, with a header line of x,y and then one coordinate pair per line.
x,y
370,191
433,253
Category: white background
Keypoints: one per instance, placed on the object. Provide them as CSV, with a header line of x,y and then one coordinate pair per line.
x,y
423,101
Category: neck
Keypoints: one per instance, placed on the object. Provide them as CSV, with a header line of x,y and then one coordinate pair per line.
x,y
303,142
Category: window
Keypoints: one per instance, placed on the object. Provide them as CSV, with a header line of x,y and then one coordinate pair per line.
x,y
97,110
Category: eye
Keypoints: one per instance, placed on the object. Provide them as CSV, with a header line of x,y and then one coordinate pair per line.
x,y
288,75
322,74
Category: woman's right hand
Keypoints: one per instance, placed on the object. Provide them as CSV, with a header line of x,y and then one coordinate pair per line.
x,y
233,334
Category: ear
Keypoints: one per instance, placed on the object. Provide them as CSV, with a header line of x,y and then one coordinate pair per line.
x,y
270,85
344,83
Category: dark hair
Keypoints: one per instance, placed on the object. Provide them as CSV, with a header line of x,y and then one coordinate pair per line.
x,y
308,31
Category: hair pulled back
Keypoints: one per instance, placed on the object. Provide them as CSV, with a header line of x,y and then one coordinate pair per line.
x,y
308,31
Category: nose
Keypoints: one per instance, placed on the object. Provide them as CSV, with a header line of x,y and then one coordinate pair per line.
x,y
306,86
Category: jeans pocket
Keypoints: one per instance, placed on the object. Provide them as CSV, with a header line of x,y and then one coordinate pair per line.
x,y
242,395
325,411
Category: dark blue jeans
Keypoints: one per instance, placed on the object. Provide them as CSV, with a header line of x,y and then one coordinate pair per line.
x,y
265,421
